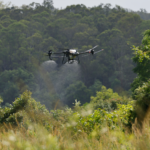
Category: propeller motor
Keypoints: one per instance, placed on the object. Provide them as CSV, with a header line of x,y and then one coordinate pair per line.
x,y
92,51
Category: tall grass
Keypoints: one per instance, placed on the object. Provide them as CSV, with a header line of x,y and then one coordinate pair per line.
x,y
80,129
34,133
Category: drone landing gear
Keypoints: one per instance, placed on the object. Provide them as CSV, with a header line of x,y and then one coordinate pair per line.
x,y
63,61
78,60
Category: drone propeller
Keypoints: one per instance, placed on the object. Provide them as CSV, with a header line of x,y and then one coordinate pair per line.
x,y
49,54
98,51
95,47
93,52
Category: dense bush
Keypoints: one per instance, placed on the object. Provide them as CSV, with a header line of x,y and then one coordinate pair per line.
x,y
30,125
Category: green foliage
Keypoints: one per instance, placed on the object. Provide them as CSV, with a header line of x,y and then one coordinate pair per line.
x,y
28,32
143,93
21,108
143,14
105,94
103,123
19,104
77,91
141,58
14,82
119,117
108,100
95,87
140,85
29,124
48,4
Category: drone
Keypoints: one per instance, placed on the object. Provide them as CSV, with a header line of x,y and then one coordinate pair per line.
x,y
72,55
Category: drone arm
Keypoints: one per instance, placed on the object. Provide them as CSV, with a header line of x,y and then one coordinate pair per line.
x,y
57,56
90,50
85,52
94,53
57,53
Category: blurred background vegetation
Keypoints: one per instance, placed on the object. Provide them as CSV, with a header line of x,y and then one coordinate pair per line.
x,y
101,103
27,32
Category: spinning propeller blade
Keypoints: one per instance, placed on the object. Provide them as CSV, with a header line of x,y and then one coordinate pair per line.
x,y
95,47
98,51
93,52
92,49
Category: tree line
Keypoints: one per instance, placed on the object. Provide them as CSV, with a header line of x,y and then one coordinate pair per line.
x,y
28,32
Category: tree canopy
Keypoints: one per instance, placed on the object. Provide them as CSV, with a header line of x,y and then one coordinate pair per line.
x,y
31,30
